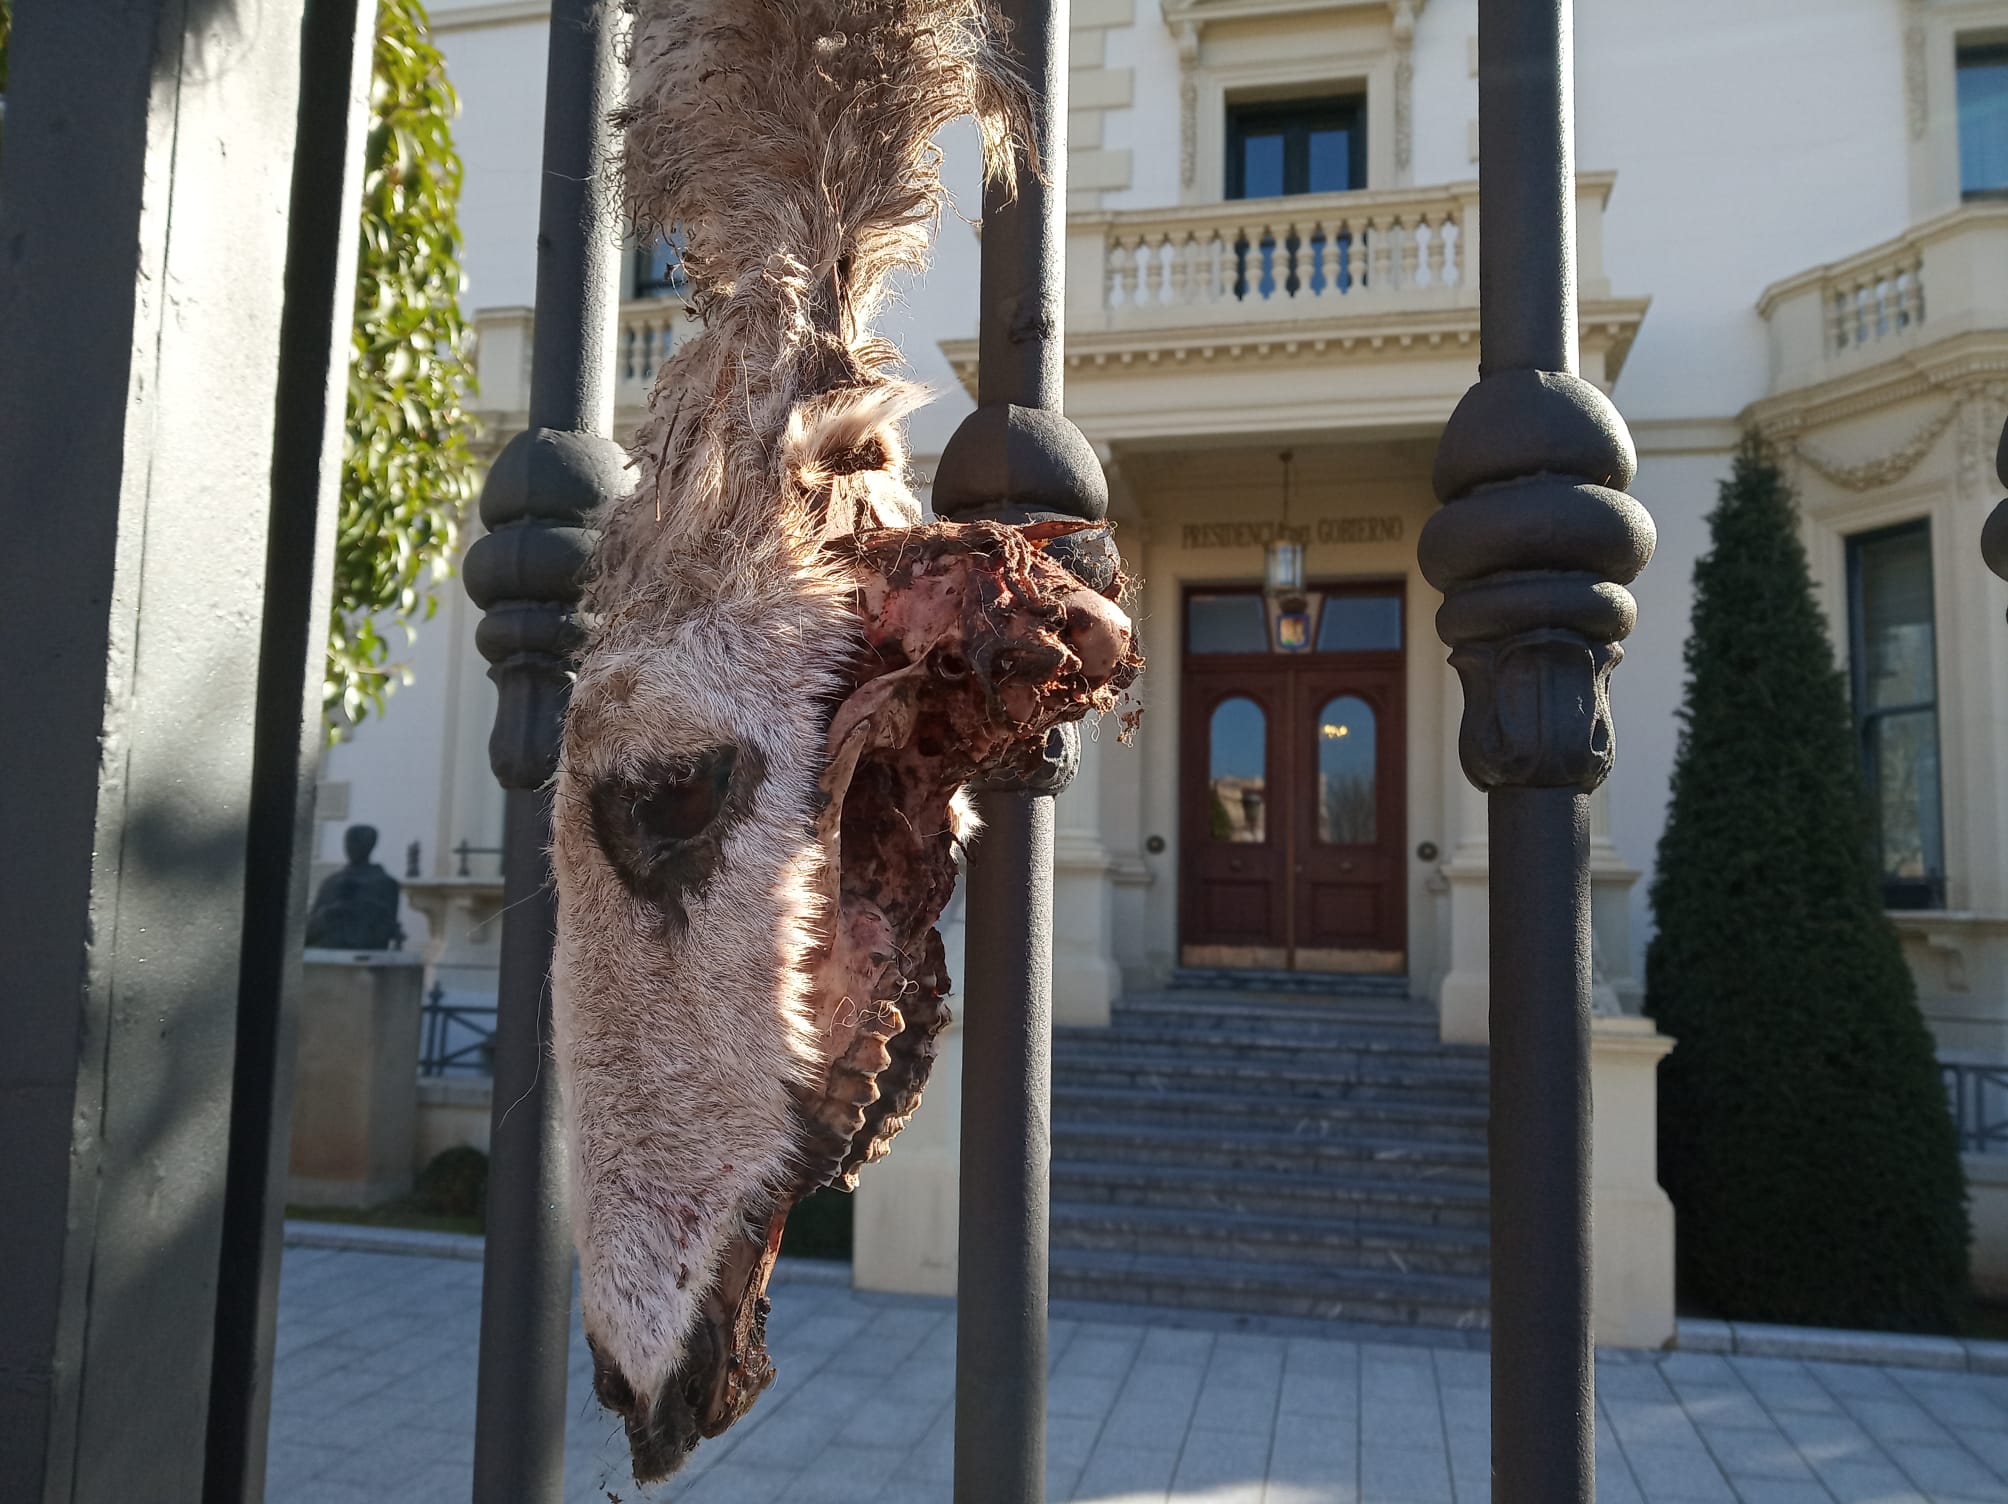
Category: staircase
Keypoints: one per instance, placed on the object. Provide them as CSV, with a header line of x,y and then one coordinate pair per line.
x,y
1230,1145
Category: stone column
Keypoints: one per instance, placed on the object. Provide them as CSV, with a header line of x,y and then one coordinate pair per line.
x,y
1466,996
1086,976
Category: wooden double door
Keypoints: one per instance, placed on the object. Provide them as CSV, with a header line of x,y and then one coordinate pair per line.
x,y
1293,813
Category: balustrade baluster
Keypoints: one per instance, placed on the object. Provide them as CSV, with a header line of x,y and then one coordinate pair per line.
x,y
1436,250
1216,268
1915,303
1409,248
1153,270
1379,277
1112,285
1291,283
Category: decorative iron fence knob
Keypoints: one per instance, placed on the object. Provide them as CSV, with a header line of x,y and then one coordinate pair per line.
x,y
526,573
1532,553
1994,532
1006,463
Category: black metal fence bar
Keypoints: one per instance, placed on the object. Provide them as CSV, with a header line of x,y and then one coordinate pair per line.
x,y
336,43
525,575
1531,551
1014,459
1978,1093
156,692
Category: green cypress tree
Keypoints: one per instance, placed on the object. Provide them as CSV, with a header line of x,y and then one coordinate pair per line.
x,y
1804,1135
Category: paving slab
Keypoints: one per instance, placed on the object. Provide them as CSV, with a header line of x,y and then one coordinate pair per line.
x,y
374,1404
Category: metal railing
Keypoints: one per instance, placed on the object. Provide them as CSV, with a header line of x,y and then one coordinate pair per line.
x,y
455,1038
463,852
1978,1092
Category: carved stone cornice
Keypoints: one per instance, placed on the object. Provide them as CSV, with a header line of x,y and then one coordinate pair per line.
x,y
1885,469
1951,366
1607,325
1974,397
1203,13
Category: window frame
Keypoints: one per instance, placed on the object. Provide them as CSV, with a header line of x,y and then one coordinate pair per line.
x,y
1992,51
641,284
1899,894
1299,116
1325,589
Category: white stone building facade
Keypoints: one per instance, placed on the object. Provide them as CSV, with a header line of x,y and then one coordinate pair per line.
x,y
1786,220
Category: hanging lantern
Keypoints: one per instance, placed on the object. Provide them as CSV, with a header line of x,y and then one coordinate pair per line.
x,y
1283,570
1283,577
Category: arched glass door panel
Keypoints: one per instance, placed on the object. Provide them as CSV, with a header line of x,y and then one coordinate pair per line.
x,y
1237,770
1347,795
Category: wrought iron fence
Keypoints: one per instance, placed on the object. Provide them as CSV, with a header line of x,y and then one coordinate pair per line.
x,y
1978,1091
463,852
455,1038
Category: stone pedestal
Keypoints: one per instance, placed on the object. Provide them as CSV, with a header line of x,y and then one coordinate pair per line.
x,y
1631,1217
355,1092
904,1228
1465,999
1987,1185
463,943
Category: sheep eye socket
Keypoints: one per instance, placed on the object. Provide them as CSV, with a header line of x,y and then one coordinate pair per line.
x,y
661,831
680,810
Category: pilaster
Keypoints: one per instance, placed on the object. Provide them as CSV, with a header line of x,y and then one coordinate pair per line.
x,y
1086,976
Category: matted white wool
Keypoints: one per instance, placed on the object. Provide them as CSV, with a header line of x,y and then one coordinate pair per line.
x,y
789,144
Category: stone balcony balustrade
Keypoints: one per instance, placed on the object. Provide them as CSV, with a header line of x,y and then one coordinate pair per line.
x,y
650,328
1353,310
1942,279
1277,259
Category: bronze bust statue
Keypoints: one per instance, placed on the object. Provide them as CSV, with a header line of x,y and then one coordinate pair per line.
x,y
356,908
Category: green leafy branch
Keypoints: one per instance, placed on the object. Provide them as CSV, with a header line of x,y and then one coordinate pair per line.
x,y
407,467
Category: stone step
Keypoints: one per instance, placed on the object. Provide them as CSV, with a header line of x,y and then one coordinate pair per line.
x,y
1291,983
1296,1014
1342,1242
1269,1288
1351,1153
1423,1123
1424,1199
1309,1050
1370,1080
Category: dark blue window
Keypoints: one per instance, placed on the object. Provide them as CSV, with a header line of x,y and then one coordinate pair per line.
x,y
1983,121
1303,146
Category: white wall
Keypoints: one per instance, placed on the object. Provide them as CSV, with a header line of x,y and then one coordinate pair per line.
x,y
1750,141
1149,128
499,71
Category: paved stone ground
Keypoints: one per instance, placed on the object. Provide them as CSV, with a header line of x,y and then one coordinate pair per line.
x,y
374,1404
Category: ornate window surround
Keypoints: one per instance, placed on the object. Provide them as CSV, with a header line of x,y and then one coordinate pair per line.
x,y
1236,50
1931,459
1933,32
